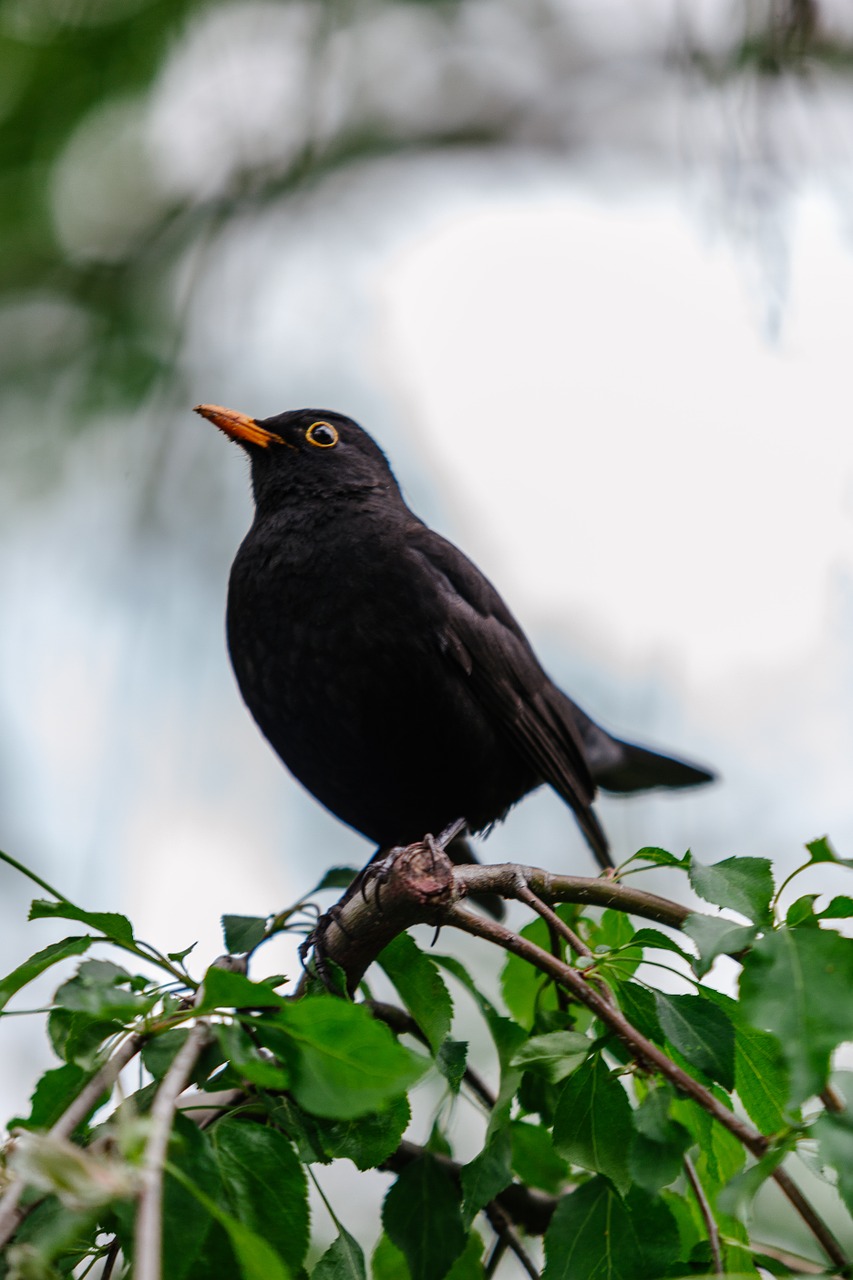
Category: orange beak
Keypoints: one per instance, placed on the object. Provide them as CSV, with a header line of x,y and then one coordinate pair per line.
x,y
237,426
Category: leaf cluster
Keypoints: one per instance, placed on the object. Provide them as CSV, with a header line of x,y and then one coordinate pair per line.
x,y
636,1154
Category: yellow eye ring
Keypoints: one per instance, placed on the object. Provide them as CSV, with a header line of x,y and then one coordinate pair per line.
x,y
322,435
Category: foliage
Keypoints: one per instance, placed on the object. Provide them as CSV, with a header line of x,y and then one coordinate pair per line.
x,y
633,1123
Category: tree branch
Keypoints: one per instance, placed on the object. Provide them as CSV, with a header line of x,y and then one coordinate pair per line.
x,y
149,1224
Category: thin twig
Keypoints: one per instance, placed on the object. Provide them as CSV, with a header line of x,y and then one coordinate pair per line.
x,y
651,1055
498,1251
707,1215
111,1259
11,1214
556,925
503,1228
149,1226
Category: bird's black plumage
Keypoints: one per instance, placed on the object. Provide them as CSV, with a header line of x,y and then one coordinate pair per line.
x,y
382,666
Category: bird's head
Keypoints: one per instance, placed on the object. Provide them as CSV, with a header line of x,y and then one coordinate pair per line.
x,y
304,452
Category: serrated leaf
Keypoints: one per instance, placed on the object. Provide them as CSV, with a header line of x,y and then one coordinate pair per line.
x,y
486,1175
335,878
257,1259
265,1184
186,1222
594,1123
30,969
421,1214
369,1139
761,1078
801,914
387,1261
742,884
598,1235
343,1260
341,1061
555,1055
657,1153
247,1060
534,1158
420,986
224,989
110,923
822,851
639,1007
782,976
658,941
701,1032
243,933
839,908
450,1060
660,858
716,936
834,1133
53,1094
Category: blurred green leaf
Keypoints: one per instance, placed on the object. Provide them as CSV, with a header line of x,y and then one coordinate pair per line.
x,y
742,884
421,1215
595,1232
30,969
594,1124
420,986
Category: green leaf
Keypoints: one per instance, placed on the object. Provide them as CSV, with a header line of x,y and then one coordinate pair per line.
x,y
595,1234
655,940
42,960
716,936
526,991
840,908
737,1195
186,1221
657,1154
335,878
247,1060
266,1185
801,914
109,923
486,1175
104,990
822,851
534,1158
422,1217
388,1262
701,1032
450,1060
343,1260
258,1261
159,1052
368,1139
639,1007
555,1055
742,884
420,986
594,1124
78,1037
224,989
53,1094
243,933
761,1078
342,1063
796,984
660,858
834,1132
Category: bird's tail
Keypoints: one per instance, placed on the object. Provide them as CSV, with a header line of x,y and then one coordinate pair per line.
x,y
629,768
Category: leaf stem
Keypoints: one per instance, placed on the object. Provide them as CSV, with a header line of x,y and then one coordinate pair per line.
x,y
707,1215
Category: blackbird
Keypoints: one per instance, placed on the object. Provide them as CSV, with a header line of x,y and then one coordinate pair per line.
x,y
383,667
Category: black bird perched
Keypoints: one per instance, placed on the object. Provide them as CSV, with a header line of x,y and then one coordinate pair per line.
x,y
382,666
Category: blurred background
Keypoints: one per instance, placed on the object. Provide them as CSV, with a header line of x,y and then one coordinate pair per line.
x,y
584,270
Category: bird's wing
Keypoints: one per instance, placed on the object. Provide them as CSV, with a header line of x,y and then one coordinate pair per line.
x,y
483,639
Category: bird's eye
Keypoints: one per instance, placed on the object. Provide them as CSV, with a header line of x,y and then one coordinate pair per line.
x,y
322,434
